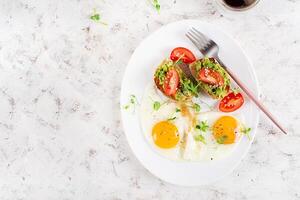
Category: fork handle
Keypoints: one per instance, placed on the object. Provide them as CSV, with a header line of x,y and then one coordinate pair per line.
x,y
251,95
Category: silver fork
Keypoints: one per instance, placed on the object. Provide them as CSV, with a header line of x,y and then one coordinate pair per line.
x,y
210,49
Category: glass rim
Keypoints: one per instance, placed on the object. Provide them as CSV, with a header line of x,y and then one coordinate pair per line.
x,y
237,9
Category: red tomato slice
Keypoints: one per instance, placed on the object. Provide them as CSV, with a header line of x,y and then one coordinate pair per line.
x,y
171,83
183,54
211,77
231,102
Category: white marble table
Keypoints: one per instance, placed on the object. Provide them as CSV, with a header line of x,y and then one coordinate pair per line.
x,y
60,76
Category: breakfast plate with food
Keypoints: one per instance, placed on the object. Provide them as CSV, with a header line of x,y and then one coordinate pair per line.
x,y
186,121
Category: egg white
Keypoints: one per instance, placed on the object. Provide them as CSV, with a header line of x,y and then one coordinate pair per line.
x,y
149,117
193,150
212,150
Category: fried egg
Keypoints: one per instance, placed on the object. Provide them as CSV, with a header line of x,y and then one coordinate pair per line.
x,y
219,140
163,128
174,129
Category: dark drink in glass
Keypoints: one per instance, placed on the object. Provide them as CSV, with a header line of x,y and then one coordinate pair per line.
x,y
239,5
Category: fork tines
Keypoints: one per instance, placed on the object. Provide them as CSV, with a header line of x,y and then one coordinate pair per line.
x,y
200,40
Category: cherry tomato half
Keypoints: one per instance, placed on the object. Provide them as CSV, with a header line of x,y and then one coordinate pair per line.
x,y
231,102
171,82
211,77
183,54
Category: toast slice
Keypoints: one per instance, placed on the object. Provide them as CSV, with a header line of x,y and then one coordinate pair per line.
x,y
186,88
215,91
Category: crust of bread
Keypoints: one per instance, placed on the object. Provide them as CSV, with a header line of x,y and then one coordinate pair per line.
x,y
160,87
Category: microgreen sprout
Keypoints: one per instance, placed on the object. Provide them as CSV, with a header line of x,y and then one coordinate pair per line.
x,y
246,131
97,18
202,126
132,102
200,138
156,5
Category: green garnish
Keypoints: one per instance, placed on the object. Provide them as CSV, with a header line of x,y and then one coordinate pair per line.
x,y
246,131
203,126
133,99
97,18
222,139
162,70
235,90
132,102
218,91
196,107
156,105
156,5
187,88
172,118
200,138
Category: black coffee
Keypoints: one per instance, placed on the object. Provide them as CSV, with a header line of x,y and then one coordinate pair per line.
x,y
239,3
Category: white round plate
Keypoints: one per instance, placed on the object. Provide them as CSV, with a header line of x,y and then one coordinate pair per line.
x,y
147,56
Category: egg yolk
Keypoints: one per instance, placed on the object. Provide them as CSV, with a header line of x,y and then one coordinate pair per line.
x,y
224,130
165,134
